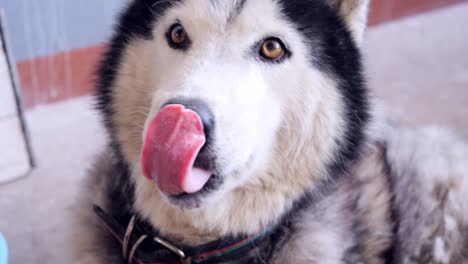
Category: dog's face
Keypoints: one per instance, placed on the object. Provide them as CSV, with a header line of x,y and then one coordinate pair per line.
x,y
268,92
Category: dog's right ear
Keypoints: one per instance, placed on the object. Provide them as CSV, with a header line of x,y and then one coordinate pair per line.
x,y
354,13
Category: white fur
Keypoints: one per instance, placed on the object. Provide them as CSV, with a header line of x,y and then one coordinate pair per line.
x,y
354,12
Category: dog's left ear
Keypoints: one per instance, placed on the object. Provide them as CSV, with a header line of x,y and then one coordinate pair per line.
x,y
354,13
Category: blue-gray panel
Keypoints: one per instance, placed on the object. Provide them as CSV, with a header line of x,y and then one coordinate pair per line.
x,y
42,27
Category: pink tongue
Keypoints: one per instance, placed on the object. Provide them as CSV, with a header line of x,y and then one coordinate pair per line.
x,y
172,143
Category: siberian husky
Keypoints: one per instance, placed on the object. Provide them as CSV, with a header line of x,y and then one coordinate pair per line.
x,y
241,131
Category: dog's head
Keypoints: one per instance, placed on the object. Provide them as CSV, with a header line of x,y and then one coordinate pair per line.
x,y
207,99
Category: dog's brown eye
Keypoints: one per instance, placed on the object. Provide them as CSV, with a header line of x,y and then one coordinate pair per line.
x,y
177,37
272,49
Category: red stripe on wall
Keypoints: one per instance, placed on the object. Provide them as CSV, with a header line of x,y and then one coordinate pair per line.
x,y
70,74
58,77
386,10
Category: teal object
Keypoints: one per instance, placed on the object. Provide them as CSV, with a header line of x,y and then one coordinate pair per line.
x,y
3,250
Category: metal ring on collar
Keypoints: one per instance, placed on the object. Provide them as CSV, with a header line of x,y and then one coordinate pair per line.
x,y
135,247
171,247
128,234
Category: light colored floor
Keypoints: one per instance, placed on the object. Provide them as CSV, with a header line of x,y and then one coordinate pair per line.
x,y
418,67
34,211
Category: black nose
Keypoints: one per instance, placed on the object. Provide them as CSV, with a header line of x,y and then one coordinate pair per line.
x,y
202,109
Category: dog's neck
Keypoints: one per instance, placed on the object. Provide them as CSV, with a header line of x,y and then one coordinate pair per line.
x,y
243,211
237,213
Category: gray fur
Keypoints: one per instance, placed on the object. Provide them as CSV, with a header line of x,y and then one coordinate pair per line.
x,y
422,174
429,168
419,173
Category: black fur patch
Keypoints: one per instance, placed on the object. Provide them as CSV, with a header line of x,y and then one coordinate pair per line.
x,y
390,255
118,193
333,51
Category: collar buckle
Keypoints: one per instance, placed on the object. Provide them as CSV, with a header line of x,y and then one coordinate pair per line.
x,y
125,252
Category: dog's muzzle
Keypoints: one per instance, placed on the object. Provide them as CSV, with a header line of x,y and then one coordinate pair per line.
x,y
176,146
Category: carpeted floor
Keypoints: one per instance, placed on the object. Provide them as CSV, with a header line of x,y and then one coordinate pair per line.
x,y
418,67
